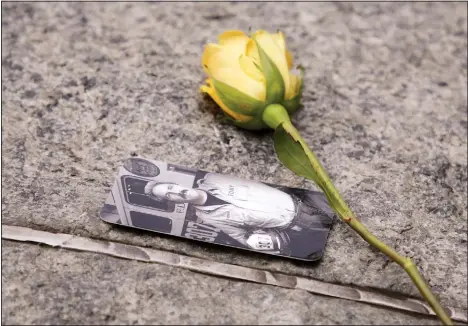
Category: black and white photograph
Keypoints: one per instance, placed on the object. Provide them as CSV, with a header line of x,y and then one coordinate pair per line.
x,y
220,209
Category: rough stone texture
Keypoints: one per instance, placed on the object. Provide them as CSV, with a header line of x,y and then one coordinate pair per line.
x,y
385,100
48,286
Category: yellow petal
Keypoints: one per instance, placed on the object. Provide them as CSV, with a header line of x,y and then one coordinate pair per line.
x,y
235,77
251,68
228,52
212,92
235,40
213,54
222,63
273,49
289,59
251,49
294,86
280,40
218,64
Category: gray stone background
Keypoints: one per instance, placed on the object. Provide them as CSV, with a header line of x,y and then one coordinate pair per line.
x,y
85,85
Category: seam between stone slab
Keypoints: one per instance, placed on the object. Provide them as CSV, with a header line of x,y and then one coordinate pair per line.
x,y
131,252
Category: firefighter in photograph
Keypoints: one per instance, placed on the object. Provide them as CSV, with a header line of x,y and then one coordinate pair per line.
x,y
240,207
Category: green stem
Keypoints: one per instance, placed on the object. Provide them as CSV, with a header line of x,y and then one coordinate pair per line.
x,y
275,115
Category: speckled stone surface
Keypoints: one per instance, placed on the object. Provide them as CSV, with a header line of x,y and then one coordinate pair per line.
x,y
83,288
84,85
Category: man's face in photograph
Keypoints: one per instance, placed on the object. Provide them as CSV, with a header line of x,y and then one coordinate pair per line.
x,y
175,193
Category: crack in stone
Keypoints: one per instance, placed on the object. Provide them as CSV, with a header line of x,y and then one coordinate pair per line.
x,y
213,268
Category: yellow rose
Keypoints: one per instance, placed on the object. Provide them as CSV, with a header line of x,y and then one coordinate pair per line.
x,y
246,74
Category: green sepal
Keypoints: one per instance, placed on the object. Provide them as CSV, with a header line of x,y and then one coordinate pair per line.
x,y
236,100
275,88
292,104
255,124
296,156
291,153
